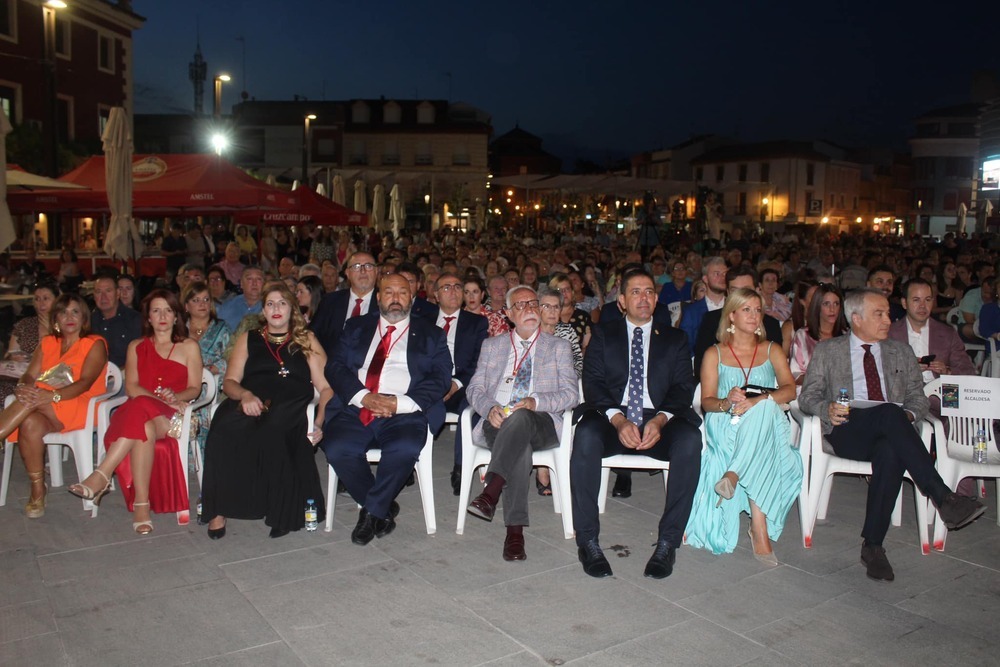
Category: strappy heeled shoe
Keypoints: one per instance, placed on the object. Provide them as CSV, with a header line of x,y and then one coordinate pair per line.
x,y
725,488
35,509
142,527
767,559
81,490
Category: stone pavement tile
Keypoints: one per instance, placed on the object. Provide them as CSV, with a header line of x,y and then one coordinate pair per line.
x,y
275,653
298,565
377,615
761,599
46,649
978,544
20,580
519,659
563,614
933,644
838,631
967,603
693,642
24,620
771,659
165,628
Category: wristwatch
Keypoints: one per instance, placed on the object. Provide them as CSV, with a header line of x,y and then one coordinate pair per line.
x,y
56,397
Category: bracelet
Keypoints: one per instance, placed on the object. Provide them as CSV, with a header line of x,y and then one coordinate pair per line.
x,y
725,400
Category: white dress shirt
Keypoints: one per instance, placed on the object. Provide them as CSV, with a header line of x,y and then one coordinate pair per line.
x,y
365,304
450,336
647,402
920,343
395,377
858,368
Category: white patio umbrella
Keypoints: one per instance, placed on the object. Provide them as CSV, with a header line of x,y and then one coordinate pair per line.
x,y
7,233
360,197
122,239
270,180
339,196
378,206
962,211
984,209
395,210
321,189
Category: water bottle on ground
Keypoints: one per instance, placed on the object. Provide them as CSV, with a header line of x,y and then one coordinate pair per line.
x,y
311,523
979,447
844,399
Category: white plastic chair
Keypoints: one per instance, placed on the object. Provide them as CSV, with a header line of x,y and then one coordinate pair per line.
x,y
955,319
425,481
206,397
824,464
555,459
80,442
991,366
954,454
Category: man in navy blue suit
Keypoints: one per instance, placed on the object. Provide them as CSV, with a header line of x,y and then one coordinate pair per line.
x,y
421,307
388,370
638,388
465,332
338,307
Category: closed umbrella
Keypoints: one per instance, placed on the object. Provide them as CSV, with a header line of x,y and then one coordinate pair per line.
x,y
360,197
339,196
271,181
378,206
395,210
321,189
122,239
7,233
962,211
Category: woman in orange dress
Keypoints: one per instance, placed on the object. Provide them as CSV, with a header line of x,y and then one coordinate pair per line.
x,y
162,374
40,408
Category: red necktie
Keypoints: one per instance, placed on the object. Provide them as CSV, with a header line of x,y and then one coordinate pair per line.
x,y
357,308
871,376
447,323
375,371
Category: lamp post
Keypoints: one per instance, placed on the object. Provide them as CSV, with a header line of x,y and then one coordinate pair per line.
x,y
218,94
427,202
306,148
51,134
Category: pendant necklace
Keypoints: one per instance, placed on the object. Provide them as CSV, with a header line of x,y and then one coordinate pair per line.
x,y
280,341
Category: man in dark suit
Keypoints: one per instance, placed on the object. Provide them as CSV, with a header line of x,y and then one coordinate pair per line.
x,y
338,307
387,371
638,388
465,333
926,336
421,307
883,279
874,367
737,277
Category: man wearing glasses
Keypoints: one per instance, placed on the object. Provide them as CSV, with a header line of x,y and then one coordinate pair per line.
x,y
337,307
522,384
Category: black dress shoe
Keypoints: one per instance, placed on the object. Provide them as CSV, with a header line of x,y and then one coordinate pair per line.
x,y
369,526
661,563
217,533
482,507
385,526
513,547
873,558
456,480
593,560
957,511
623,486
277,532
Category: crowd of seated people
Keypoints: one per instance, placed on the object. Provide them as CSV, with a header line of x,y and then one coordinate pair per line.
x,y
410,328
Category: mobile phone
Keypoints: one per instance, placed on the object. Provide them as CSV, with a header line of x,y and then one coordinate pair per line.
x,y
928,359
755,389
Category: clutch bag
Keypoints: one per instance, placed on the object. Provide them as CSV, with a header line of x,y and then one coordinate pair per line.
x,y
58,376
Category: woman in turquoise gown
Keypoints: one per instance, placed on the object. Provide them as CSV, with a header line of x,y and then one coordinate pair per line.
x,y
750,465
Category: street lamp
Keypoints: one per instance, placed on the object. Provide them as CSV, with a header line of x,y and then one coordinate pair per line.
x,y
50,135
218,93
219,142
306,148
427,203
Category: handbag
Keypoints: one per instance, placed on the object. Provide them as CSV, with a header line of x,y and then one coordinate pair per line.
x,y
58,376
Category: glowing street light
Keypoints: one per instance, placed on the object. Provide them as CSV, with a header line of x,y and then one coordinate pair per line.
x,y
306,147
219,80
219,142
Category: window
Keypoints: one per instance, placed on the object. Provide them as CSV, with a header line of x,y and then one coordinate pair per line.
x,y
742,173
962,129
106,54
103,114
359,152
360,113
390,152
392,113
741,206
425,113
8,98
8,19
720,173
923,198
831,204
842,200
855,203
460,155
928,129
326,149
765,172
810,173
958,167
699,173
423,155
63,33
923,168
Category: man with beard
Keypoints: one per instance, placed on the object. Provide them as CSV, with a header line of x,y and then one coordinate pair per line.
x,y
387,371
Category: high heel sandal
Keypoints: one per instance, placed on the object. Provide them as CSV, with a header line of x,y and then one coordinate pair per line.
x,y
35,509
147,525
767,559
725,488
81,490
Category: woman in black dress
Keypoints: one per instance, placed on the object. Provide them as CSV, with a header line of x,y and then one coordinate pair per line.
x,y
259,460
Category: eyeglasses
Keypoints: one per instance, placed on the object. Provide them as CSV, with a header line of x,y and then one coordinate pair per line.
x,y
448,288
550,306
522,305
367,266
216,279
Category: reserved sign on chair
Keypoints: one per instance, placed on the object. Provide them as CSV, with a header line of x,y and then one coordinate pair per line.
x,y
970,396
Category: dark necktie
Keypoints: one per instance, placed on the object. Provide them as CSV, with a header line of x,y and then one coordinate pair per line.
x,y
635,368
447,323
871,376
375,371
357,308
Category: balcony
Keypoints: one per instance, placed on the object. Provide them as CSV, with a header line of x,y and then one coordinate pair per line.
x,y
423,160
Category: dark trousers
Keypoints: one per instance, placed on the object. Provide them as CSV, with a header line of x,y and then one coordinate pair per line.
x,y
511,446
595,438
456,404
346,441
885,436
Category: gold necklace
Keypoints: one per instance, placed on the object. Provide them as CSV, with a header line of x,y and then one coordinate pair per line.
x,y
277,339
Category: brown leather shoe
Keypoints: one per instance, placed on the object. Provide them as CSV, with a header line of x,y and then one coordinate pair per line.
x,y
482,507
513,548
873,558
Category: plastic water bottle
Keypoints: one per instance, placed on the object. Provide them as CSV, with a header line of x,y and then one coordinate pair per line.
x,y
311,523
844,399
979,448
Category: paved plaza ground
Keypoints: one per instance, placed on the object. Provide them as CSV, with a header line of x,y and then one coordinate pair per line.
x,y
77,591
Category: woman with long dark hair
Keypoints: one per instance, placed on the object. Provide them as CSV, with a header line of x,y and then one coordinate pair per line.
x,y
824,319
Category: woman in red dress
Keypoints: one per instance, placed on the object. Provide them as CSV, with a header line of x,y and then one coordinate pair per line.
x,y
162,374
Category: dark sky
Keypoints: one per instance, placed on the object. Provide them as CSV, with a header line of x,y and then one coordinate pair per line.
x,y
592,78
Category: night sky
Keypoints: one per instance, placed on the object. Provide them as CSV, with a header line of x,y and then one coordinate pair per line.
x,y
591,78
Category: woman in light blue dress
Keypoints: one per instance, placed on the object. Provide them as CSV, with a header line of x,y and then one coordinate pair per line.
x,y
750,464
212,336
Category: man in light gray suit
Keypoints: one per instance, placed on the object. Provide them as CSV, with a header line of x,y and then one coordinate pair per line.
x,y
522,384
871,366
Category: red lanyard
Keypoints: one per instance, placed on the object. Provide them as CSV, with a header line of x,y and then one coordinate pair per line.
x,y
274,353
746,373
517,364
392,343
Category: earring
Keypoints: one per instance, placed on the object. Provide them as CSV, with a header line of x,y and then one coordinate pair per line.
x,y
731,328
55,327
758,332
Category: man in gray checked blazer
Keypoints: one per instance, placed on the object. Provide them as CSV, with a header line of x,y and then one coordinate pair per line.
x,y
522,384
871,366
